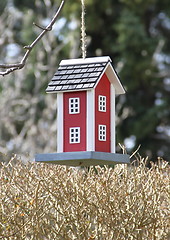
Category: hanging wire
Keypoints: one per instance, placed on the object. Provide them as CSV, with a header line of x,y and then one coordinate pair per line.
x,y
83,30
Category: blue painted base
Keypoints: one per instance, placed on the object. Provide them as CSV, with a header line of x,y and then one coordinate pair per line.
x,y
89,158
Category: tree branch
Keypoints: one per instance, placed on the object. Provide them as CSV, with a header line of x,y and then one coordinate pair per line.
x,y
16,66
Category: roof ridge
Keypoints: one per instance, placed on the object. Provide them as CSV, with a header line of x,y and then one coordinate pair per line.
x,y
81,61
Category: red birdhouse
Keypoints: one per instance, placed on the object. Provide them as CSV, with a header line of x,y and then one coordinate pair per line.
x,y
86,91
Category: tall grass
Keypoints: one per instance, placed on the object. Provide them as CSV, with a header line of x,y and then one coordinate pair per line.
x,y
43,201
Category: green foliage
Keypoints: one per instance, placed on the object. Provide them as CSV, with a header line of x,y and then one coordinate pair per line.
x,y
130,32
2,6
25,4
139,6
28,32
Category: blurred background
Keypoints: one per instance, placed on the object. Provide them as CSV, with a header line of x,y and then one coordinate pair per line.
x,y
134,33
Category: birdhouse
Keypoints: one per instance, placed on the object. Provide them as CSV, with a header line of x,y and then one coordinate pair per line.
x,y
86,91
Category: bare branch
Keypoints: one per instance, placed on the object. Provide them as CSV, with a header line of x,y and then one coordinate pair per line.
x,y
13,67
42,28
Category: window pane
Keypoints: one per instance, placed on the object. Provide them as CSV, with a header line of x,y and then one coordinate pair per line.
x,y
75,135
102,132
102,103
74,105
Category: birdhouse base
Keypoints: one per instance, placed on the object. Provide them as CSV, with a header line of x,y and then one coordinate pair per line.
x,y
88,158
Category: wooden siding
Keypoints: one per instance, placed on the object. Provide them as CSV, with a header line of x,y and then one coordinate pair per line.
x,y
74,120
103,118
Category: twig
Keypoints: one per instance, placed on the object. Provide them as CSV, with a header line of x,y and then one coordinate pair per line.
x,y
135,151
123,148
16,66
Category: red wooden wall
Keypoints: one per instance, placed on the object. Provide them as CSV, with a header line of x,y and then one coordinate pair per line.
x,y
74,120
103,118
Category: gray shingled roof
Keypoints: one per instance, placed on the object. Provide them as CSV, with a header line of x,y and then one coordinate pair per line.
x,y
77,75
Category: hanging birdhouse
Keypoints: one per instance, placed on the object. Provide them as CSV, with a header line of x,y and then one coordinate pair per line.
x,y
86,91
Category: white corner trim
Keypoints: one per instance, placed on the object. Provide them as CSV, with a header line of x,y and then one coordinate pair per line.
x,y
86,60
112,113
60,123
90,121
114,79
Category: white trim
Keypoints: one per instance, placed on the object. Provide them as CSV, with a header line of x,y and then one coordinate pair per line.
x,y
102,103
102,133
85,61
90,125
114,79
71,90
112,123
74,135
60,123
73,109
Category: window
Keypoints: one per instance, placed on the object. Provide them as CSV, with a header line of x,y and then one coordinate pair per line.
x,y
102,132
74,105
75,135
102,103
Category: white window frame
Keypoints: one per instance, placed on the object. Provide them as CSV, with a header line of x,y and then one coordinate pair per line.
x,y
102,133
74,105
74,135
102,103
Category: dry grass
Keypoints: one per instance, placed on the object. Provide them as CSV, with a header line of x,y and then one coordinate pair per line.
x,y
42,201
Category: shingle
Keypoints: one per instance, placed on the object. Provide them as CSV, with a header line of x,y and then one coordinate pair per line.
x,y
91,85
50,89
70,67
71,81
79,86
62,67
56,77
84,80
63,82
77,66
84,70
72,86
64,77
91,69
58,88
77,70
69,71
94,74
54,83
62,72
103,64
91,65
76,76
99,69
65,87
84,75
77,81
84,66
71,76
94,79
86,85
98,64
